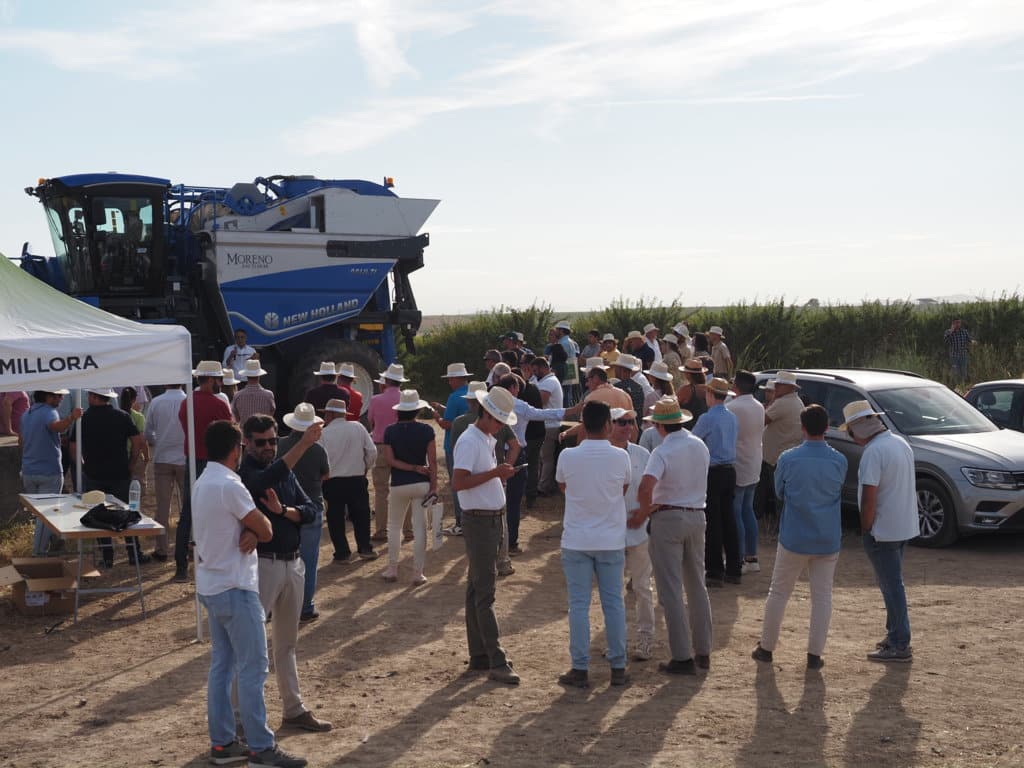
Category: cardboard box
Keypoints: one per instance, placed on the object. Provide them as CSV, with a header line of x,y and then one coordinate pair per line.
x,y
41,586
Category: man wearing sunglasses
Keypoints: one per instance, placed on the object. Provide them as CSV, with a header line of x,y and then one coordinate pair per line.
x,y
281,571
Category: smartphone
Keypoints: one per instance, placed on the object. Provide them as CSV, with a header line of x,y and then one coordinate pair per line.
x,y
521,467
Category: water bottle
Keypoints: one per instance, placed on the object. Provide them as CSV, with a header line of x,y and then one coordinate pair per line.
x,y
135,496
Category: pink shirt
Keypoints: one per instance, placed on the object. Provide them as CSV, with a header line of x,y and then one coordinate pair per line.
x,y
381,412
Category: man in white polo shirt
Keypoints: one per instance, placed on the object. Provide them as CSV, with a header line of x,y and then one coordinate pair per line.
x,y
227,525
477,479
594,477
749,453
674,491
887,496
550,397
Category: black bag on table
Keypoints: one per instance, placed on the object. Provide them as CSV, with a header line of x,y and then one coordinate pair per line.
x,y
110,518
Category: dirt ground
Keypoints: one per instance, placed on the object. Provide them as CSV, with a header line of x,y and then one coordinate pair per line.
x,y
386,663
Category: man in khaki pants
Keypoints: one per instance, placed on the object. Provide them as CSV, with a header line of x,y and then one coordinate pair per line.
x,y
279,496
379,416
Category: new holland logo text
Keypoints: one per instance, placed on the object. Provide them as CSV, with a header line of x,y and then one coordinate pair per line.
x,y
249,260
320,312
26,365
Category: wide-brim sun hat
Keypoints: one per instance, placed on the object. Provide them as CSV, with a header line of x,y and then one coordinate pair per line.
x,y
693,365
499,403
58,391
473,388
786,377
409,400
336,405
618,413
102,392
670,338
650,327
563,325
229,379
326,369
592,363
667,411
609,337
720,386
659,370
634,335
302,418
253,368
394,372
628,362
855,411
716,329
347,370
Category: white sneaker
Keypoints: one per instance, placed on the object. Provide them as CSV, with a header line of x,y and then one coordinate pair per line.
x,y
751,566
644,649
455,530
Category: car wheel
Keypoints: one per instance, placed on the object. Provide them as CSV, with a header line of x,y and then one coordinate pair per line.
x,y
936,515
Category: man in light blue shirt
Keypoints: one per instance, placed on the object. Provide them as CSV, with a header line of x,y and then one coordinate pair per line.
x,y
719,429
458,380
809,480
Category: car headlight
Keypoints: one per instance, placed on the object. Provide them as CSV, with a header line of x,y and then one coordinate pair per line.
x,y
990,478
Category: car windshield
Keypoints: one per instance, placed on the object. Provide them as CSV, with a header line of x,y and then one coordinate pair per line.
x,y
931,411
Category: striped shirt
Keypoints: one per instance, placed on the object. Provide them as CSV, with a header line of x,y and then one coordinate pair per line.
x,y
252,400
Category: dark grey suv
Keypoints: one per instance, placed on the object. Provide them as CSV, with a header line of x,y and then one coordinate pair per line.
x,y
970,473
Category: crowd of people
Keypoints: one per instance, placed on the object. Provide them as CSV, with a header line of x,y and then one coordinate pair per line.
x,y
661,475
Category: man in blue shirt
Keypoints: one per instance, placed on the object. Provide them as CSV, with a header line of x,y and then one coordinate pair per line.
x,y
718,428
809,480
41,467
458,380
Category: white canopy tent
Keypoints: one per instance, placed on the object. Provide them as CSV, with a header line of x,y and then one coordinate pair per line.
x,y
50,341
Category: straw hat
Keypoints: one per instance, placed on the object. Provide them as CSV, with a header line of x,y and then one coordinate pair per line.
x,y
409,400
209,368
634,335
786,377
563,325
693,365
681,329
347,370
628,362
499,403
609,337
667,411
769,384
855,411
334,405
618,413
252,369
671,338
68,391
92,498
229,379
719,386
650,327
592,363
456,371
395,372
303,417
659,370
474,387
108,392
717,329
326,369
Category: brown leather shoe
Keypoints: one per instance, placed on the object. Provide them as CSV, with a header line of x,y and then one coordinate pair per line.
x,y
307,722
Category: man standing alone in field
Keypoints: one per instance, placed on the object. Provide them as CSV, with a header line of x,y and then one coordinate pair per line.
x,y
958,341
888,518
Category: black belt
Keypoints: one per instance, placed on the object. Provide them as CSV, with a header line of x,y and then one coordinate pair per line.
x,y
673,506
278,555
720,466
483,512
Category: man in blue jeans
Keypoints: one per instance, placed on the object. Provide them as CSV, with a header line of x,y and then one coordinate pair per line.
x,y
227,526
887,498
594,477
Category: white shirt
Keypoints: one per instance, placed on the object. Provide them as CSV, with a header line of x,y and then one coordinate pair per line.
x,y
219,502
888,462
224,396
594,473
638,458
474,452
241,355
749,449
527,413
653,344
350,449
650,439
784,431
640,379
163,428
680,465
551,385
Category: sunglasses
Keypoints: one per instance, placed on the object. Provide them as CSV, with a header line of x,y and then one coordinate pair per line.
x,y
623,422
259,442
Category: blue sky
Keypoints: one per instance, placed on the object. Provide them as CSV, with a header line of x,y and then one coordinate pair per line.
x,y
711,151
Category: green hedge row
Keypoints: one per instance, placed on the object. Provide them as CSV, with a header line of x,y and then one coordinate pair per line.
x,y
773,334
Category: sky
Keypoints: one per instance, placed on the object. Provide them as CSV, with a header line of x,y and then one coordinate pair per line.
x,y
707,151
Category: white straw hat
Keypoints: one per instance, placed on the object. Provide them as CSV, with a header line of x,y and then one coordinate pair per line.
x,y
209,368
229,379
336,405
634,335
101,392
303,417
628,362
650,327
409,400
856,410
786,377
252,369
326,369
563,325
499,403
474,387
618,413
395,372
456,371
659,370
609,337
717,329
671,338
347,370
592,363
